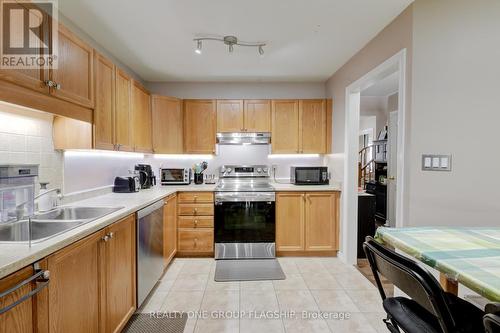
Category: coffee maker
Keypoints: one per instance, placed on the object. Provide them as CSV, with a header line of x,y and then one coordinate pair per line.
x,y
146,176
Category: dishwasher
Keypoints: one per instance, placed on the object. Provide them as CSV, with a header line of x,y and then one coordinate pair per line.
x,y
150,264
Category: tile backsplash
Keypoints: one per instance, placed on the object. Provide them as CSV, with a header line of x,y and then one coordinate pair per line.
x,y
26,137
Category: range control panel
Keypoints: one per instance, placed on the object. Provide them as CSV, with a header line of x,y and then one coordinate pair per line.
x,y
232,171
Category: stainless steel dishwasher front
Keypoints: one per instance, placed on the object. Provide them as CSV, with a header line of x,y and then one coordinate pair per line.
x,y
150,264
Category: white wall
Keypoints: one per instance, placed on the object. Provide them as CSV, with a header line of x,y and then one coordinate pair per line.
x,y
94,169
238,90
26,138
456,80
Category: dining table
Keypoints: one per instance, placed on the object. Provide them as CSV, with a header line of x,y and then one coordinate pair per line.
x,y
463,255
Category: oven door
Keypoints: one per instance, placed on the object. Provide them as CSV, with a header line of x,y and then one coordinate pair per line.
x,y
244,225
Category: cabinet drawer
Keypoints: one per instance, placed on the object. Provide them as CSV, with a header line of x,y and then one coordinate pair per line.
x,y
196,240
196,221
196,209
194,197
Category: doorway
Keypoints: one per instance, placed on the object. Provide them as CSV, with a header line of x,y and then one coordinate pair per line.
x,y
394,170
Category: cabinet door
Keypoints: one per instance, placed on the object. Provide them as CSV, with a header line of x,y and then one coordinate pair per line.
x,y
312,126
75,72
257,115
167,125
104,136
29,78
321,223
290,221
74,287
123,113
230,115
199,126
20,318
285,126
118,286
141,111
170,229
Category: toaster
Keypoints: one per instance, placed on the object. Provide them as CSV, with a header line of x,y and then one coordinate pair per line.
x,y
126,184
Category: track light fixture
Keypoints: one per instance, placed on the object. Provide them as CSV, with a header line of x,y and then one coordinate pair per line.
x,y
230,41
198,47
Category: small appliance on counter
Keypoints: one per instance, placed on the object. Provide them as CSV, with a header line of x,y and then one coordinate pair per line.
x,y
17,190
147,178
175,176
312,175
128,184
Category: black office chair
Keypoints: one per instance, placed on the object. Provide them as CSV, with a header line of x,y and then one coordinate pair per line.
x,y
430,309
492,319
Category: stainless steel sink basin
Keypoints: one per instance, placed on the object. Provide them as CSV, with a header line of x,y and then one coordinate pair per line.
x,y
52,223
75,214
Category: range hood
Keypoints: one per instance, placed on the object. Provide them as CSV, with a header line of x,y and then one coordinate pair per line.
x,y
258,138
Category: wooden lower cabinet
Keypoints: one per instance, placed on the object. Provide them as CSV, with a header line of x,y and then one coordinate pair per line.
x,y
20,318
195,221
92,282
290,221
307,222
200,240
170,228
73,302
118,288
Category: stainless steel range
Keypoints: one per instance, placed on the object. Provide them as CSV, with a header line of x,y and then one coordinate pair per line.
x,y
244,213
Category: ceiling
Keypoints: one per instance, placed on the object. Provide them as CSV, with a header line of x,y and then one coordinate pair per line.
x,y
308,40
386,86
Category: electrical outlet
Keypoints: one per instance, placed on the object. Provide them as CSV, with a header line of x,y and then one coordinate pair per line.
x,y
432,162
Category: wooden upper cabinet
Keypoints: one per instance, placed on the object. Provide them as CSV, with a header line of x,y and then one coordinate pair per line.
x,y
290,221
312,126
141,115
285,126
230,115
118,279
75,72
167,124
321,210
199,126
257,115
104,127
29,78
123,111
73,292
19,319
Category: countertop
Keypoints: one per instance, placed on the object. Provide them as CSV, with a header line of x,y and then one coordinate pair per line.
x,y
14,256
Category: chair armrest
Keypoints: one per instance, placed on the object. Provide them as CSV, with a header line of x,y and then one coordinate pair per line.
x,y
492,308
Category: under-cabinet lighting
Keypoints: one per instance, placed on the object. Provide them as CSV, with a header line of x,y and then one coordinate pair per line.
x,y
102,153
293,155
183,156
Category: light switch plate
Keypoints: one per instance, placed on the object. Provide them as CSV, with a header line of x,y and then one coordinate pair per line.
x,y
432,162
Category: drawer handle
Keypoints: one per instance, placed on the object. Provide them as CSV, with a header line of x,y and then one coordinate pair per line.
x,y
40,276
195,223
195,211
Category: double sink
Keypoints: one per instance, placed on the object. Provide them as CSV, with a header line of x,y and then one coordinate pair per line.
x,y
51,223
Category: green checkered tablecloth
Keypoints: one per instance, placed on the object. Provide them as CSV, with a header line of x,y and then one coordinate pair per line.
x,y
470,256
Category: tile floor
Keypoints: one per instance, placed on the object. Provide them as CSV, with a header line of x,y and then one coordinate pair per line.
x,y
312,286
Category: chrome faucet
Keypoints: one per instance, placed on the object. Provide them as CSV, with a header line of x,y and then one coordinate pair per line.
x,y
57,190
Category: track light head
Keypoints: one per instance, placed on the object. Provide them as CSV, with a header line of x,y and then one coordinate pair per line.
x,y
198,47
231,48
261,50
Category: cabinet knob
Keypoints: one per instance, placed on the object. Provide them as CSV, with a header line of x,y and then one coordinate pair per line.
x,y
105,238
195,223
111,235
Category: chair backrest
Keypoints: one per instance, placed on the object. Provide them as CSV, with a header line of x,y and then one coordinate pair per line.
x,y
491,323
411,278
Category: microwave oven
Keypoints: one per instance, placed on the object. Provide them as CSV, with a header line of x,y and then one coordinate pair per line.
x,y
175,176
309,175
